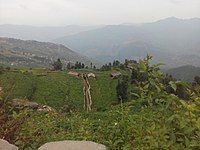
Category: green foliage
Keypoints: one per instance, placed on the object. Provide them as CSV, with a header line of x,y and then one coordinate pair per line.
x,y
78,65
18,85
146,79
197,80
57,65
110,66
154,119
1,70
53,88
122,89
106,67
171,126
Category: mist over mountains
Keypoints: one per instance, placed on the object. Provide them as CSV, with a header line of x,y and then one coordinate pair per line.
x,y
26,32
173,41
185,73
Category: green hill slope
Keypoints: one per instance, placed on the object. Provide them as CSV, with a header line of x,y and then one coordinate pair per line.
x,y
57,89
185,73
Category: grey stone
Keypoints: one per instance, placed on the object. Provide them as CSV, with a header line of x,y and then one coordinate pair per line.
x,y
4,145
24,103
72,145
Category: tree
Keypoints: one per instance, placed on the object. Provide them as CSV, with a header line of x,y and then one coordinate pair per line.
x,y
113,63
91,65
106,67
134,75
1,69
117,63
76,65
82,65
126,63
57,65
197,80
122,89
79,65
68,65
110,65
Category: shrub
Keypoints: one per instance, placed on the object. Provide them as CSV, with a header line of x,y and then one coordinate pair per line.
x,y
122,89
57,65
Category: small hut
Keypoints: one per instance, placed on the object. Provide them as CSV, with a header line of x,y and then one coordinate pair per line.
x,y
129,66
115,75
91,75
73,73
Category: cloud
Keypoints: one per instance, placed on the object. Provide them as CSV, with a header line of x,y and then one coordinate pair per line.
x,y
63,12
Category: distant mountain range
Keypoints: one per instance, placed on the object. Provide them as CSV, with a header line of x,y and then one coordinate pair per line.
x,y
185,73
173,41
33,53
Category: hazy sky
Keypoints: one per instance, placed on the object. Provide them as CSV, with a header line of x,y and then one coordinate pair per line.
x,y
93,12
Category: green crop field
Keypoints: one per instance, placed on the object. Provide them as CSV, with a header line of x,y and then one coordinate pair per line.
x,y
56,88
158,111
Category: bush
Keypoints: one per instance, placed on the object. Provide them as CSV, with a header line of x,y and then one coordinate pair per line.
x,y
122,89
57,65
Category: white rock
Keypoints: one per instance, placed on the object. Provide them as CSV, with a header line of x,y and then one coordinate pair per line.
x,y
72,145
4,145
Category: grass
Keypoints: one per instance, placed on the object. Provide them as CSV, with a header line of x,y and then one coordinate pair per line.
x,y
169,123
57,88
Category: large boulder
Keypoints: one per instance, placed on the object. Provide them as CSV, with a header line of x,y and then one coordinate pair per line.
x,y
72,145
4,145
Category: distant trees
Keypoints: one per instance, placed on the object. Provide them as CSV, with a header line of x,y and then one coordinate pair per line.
x,y
116,63
77,65
57,65
197,80
82,65
107,67
134,75
122,89
1,69
178,88
91,65
69,65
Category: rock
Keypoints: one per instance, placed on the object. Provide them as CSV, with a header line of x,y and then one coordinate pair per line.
x,y
18,103
4,145
23,103
73,73
91,75
45,108
72,145
115,75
